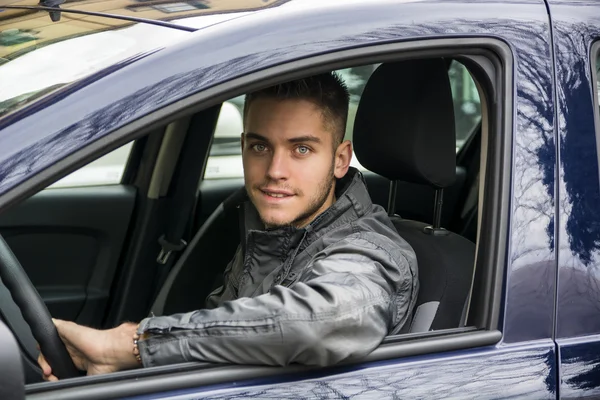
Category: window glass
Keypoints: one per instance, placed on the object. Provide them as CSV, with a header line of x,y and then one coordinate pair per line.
x,y
467,106
225,155
107,170
39,55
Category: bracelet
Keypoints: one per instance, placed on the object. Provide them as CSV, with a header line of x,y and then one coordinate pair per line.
x,y
136,349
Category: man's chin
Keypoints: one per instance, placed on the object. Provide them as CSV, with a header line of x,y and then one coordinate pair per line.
x,y
275,223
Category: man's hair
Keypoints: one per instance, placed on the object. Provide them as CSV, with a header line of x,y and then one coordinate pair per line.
x,y
327,91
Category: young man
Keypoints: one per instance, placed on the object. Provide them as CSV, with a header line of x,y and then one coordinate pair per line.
x,y
321,276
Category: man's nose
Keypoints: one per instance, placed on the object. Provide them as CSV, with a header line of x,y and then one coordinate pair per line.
x,y
279,166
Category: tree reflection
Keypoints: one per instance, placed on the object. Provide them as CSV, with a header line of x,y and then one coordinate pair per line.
x,y
579,290
580,369
579,162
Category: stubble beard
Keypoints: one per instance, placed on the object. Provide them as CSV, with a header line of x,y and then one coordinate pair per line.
x,y
325,188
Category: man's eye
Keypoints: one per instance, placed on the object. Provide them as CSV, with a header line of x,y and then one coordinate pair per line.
x,y
259,148
302,150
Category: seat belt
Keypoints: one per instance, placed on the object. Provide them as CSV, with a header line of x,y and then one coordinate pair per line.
x,y
227,206
185,188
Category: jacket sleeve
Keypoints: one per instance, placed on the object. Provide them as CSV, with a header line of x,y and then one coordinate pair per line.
x,y
342,308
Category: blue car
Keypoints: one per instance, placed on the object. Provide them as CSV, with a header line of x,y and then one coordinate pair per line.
x,y
120,167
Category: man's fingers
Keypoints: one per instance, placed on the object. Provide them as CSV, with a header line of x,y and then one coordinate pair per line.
x,y
46,369
59,324
66,329
50,378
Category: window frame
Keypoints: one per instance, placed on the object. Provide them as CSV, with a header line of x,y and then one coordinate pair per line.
x,y
494,74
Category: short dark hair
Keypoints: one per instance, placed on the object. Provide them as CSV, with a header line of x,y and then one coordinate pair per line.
x,y
327,91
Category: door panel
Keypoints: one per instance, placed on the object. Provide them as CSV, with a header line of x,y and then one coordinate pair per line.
x,y
517,372
579,367
577,46
69,242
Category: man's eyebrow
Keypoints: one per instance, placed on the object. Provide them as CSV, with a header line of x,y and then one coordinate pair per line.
x,y
255,136
307,138
299,139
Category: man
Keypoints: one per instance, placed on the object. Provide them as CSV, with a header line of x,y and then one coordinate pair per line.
x,y
321,276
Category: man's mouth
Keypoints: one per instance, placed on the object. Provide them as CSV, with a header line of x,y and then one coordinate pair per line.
x,y
277,194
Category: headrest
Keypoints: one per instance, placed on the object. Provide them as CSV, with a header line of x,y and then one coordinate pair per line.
x,y
404,126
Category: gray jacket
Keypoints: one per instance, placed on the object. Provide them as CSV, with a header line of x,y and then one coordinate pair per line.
x,y
318,295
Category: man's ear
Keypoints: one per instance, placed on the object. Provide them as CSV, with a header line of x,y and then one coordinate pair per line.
x,y
242,141
343,156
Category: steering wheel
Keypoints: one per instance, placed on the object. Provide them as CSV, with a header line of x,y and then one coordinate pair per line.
x,y
35,313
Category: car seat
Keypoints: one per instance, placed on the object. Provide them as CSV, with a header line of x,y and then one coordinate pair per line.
x,y
404,130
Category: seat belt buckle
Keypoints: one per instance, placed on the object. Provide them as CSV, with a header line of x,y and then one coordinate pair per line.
x,y
167,248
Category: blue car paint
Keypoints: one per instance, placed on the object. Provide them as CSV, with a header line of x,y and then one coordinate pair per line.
x,y
576,27
542,246
480,374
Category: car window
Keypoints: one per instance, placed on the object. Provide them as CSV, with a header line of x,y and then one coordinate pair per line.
x,y
107,170
467,106
224,160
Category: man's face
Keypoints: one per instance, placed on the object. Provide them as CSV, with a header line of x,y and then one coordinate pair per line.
x,y
290,161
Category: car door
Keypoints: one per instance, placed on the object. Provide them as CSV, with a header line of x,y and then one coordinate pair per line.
x,y
506,349
577,44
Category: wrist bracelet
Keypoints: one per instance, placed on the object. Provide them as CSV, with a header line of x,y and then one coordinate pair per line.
x,y
136,349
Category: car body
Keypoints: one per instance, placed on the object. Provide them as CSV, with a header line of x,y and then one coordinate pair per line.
x,y
533,329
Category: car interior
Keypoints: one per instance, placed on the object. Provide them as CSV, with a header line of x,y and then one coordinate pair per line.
x,y
159,241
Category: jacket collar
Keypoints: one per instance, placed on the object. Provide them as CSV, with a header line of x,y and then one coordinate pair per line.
x,y
352,202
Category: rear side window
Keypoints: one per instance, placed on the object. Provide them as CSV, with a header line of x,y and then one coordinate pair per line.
x,y
225,160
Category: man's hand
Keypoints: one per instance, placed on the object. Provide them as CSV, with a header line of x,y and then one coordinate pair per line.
x,y
95,351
